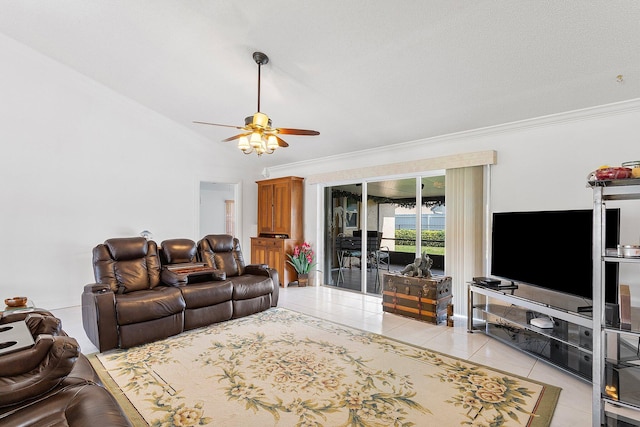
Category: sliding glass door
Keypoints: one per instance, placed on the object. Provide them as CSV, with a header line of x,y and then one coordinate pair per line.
x,y
392,209
343,205
378,226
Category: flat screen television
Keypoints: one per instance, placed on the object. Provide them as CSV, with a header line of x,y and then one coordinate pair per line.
x,y
553,250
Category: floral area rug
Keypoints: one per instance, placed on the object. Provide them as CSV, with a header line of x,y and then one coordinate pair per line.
x,y
282,368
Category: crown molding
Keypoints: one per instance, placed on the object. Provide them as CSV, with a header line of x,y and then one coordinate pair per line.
x,y
613,109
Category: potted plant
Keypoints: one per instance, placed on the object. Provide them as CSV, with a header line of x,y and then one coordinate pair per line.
x,y
302,261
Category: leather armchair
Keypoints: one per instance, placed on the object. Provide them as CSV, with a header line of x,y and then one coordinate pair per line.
x,y
36,370
250,293
129,305
52,383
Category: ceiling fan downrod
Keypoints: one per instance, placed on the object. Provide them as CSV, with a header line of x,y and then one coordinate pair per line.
x,y
260,59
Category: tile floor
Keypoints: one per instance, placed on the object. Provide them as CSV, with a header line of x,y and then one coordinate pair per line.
x,y
365,312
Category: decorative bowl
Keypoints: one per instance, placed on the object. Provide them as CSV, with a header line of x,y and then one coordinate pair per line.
x,y
613,173
16,301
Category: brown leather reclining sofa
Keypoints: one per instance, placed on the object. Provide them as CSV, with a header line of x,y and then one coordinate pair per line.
x,y
142,293
51,383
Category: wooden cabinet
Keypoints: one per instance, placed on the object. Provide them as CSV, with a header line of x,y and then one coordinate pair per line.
x,y
280,212
273,252
280,207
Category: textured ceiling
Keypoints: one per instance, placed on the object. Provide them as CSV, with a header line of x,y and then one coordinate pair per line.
x,y
364,73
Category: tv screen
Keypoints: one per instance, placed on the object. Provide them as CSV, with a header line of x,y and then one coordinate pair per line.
x,y
552,249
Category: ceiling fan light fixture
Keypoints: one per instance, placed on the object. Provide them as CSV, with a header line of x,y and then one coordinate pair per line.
x,y
243,144
272,142
262,137
256,140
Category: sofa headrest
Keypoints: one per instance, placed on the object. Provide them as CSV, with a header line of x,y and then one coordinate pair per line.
x,y
220,242
177,251
126,248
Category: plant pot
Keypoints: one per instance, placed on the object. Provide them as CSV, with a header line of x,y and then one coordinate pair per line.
x,y
303,280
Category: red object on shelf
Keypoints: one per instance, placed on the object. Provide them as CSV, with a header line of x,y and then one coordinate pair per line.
x,y
613,173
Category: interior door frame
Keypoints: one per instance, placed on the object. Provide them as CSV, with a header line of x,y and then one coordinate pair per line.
x,y
237,197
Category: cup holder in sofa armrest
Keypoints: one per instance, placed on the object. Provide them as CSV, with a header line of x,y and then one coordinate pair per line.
x,y
96,288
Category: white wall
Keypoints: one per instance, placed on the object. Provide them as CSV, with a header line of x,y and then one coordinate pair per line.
x,y
81,164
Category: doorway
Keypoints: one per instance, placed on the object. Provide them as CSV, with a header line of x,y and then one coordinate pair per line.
x,y
218,209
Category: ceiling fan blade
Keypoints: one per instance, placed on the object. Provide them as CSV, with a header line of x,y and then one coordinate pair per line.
x,y
231,138
281,142
217,124
287,131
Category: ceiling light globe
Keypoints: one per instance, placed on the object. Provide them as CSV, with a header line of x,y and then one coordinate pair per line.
x,y
256,139
272,142
243,143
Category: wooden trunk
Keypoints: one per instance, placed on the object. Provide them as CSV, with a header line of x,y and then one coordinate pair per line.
x,y
418,297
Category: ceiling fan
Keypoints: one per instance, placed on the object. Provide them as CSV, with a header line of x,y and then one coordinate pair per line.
x,y
258,136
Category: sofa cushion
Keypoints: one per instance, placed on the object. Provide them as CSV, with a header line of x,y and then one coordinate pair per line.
x,y
226,261
251,286
141,306
223,252
131,276
205,294
220,242
124,249
127,264
178,251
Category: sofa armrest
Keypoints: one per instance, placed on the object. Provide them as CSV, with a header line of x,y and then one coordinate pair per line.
x,y
173,278
38,321
39,324
97,288
259,269
99,316
265,270
29,373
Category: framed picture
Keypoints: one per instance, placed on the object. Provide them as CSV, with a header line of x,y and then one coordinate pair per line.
x,y
351,215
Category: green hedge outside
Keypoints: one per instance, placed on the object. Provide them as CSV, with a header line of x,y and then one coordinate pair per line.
x,y
432,238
